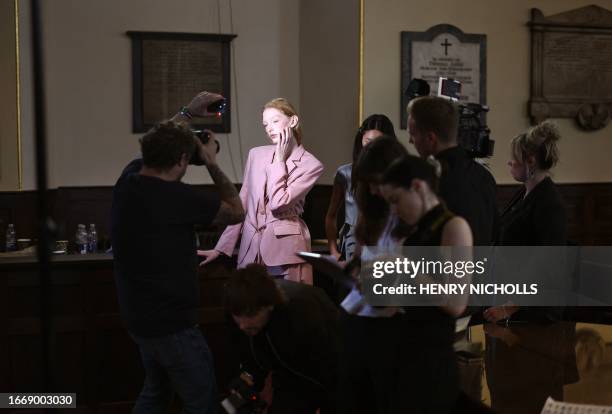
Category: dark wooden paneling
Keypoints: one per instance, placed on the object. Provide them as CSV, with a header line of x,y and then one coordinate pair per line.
x,y
589,209
20,208
315,209
90,351
83,205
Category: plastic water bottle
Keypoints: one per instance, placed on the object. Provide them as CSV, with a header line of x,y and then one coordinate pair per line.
x,y
92,239
81,239
11,238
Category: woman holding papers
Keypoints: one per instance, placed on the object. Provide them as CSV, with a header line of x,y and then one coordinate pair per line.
x,y
409,186
376,224
402,360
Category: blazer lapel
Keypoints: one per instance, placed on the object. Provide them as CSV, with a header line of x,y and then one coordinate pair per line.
x,y
267,160
294,159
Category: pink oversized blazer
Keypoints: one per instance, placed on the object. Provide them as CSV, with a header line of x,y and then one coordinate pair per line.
x,y
273,230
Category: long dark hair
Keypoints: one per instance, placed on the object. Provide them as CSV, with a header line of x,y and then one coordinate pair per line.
x,y
374,159
378,122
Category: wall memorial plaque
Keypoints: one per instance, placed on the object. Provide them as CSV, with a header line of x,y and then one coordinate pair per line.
x,y
171,68
571,66
444,51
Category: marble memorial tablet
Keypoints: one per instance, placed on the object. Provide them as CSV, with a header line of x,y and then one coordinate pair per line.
x,y
444,51
169,69
571,73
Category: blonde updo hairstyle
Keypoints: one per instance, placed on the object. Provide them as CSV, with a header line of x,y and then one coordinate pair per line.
x,y
539,141
283,105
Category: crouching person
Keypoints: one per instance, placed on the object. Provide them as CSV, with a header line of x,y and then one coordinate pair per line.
x,y
290,331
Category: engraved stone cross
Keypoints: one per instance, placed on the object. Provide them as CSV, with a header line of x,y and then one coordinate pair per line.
x,y
446,45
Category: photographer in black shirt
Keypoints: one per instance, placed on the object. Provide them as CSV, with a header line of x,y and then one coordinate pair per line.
x,y
467,188
152,226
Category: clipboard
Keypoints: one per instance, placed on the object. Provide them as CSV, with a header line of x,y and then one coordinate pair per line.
x,y
354,303
328,265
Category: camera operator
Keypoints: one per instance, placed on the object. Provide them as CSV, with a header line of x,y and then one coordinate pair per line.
x,y
289,330
152,225
467,187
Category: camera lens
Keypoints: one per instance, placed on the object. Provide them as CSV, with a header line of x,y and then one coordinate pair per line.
x,y
204,136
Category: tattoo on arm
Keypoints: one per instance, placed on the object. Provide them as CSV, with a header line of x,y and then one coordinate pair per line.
x,y
231,211
226,188
228,214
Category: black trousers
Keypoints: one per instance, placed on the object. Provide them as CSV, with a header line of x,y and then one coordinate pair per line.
x,y
391,365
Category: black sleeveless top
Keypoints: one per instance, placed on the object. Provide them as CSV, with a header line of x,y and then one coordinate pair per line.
x,y
435,325
428,230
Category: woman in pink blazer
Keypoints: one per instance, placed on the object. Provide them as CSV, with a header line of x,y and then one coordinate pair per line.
x,y
276,180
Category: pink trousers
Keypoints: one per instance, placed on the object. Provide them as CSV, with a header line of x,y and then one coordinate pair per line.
x,y
299,272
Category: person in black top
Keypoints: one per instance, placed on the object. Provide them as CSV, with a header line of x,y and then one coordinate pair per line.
x,y
535,358
467,187
287,329
409,186
406,362
536,215
152,230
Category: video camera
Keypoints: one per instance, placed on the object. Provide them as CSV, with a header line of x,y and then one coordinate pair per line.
x,y
243,398
473,135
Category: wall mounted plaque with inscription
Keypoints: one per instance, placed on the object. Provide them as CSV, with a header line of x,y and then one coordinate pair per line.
x,y
571,66
444,51
171,68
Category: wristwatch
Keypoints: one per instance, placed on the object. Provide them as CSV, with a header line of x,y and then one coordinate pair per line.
x,y
186,112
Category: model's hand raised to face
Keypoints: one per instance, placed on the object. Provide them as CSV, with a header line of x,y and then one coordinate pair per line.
x,y
285,144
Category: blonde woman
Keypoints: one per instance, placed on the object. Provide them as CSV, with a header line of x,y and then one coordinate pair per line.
x,y
536,215
276,180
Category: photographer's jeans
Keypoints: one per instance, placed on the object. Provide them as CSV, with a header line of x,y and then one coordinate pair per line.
x,y
180,362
